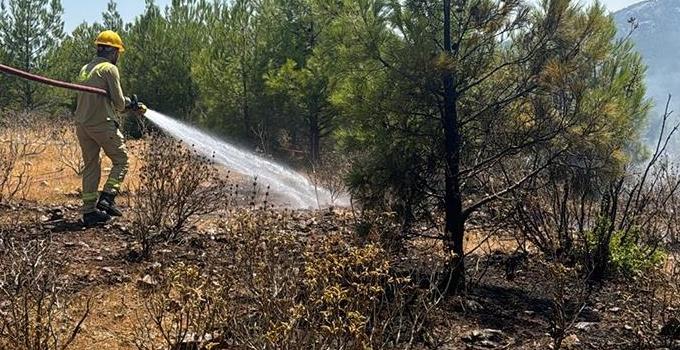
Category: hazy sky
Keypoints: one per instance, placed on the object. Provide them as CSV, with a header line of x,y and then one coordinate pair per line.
x,y
78,11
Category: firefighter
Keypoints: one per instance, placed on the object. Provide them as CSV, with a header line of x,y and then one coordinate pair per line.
x,y
97,128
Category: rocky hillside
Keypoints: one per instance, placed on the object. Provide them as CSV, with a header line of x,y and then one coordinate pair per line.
x,y
658,39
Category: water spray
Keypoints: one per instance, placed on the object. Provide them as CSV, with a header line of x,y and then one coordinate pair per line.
x,y
296,189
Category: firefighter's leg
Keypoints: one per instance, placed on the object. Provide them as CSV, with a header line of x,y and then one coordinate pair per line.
x,y
114,148
91,171
112,142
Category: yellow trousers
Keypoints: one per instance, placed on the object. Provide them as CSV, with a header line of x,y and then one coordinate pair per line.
x,y
92,140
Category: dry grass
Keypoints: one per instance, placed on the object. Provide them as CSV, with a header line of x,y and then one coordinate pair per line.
x,y
47,157
52,182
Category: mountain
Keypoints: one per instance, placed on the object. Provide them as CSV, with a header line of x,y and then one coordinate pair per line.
x,y
657,38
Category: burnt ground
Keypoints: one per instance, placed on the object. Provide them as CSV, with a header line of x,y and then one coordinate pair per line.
x,y
509,304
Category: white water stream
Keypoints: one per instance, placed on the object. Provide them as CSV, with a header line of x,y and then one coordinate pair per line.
x,y
293,187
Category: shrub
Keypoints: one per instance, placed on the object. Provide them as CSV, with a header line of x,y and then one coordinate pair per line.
x,y
275,289
18,141
36,309
331,175
626,253
184,306
70,154
177,188
629,258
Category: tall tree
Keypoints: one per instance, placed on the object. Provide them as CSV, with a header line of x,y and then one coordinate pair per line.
x,y
306,80
231,66
465,108
29,30
5,81
157,65
306,92
454,227
112,18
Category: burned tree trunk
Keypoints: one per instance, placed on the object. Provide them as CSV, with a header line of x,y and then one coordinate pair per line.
x,y
454,274
314,140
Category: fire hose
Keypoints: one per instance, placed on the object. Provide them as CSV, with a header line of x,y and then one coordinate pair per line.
x,y
52,82
134,103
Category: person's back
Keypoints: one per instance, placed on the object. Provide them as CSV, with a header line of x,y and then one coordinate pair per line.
x,y
97,129
96,109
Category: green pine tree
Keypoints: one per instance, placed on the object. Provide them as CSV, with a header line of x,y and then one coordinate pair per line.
x,y
158,59
112,18
29,29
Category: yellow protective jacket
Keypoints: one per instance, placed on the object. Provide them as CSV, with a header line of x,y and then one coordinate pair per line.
x,y
95,109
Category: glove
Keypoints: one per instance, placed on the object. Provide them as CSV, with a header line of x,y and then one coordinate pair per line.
x,y
132,104
141,108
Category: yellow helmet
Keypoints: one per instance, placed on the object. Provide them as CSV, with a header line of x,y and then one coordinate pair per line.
x,y
110,38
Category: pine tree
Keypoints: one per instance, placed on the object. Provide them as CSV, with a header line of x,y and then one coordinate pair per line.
x,y
29,29
306,81
460,105
158,60
231,67
112,18
5,81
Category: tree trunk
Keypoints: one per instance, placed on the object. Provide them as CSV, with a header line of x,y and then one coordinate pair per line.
x,y
314,140
604,232
601,261
246,111
454,273
28,96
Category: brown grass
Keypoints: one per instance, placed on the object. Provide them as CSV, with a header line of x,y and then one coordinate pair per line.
x,y
117,308
54,183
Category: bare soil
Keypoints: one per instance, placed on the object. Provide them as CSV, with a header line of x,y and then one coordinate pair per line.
x,y
515,300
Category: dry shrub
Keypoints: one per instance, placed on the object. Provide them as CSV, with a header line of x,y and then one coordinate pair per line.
x,y
14,171
621,226
331,175
278,289
19,140
183,305
659,321
68,147
36,310
612,220
383,227
570,293
177,188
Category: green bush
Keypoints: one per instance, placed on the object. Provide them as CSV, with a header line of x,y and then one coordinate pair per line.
x,y
628,254
628,257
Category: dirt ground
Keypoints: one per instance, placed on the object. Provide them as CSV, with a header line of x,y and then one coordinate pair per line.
x,y
517,301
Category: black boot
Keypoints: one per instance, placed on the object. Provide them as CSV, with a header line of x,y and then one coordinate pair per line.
x,y
96,218
107,203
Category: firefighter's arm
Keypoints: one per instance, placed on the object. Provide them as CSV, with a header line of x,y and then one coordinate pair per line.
x,y
114,88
